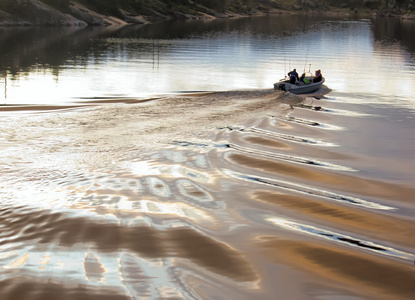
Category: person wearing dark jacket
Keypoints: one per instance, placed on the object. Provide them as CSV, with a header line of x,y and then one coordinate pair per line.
x,y
293,76
318,76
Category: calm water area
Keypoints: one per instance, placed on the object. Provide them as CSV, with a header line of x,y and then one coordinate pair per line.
x,y
157,162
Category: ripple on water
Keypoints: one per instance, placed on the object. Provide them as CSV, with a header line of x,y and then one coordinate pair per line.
x,y
379,278
304,189
267,197
341,238
50,230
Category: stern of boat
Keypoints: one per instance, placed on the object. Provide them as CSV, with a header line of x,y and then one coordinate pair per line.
x,y
280,86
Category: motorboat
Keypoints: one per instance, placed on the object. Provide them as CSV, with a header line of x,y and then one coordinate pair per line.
x,y
299,87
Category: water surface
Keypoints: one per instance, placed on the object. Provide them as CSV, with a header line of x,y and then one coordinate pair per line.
x,y
156,162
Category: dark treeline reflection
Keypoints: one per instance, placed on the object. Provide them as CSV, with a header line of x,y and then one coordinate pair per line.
x,y
26,49
392,30
23,50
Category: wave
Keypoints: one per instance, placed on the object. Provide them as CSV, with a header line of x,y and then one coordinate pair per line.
x,y
199,196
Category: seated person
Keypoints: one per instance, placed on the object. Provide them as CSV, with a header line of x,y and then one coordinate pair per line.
x,y
318,76
303,79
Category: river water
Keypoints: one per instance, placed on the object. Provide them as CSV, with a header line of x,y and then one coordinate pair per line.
x,y
157,162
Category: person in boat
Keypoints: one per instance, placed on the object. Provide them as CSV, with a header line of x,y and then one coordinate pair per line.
x,y
303,79
318,76
293,76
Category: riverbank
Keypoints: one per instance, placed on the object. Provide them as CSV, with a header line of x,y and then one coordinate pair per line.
x,y
84,12
108,13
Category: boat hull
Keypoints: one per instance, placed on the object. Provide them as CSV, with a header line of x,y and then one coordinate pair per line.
x,y
285,85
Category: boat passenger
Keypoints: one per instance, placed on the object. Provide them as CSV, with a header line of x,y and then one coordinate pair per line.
x,y
293,76
318,76
303,79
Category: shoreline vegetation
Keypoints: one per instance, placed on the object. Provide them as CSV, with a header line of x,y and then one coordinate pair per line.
x,y
123,12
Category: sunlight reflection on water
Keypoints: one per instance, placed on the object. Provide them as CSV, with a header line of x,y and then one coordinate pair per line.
x,y
126,63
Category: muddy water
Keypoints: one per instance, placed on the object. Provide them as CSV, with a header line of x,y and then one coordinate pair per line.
x,y
250,194
242,194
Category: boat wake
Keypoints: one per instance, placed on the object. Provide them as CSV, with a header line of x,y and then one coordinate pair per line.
x,y
202,196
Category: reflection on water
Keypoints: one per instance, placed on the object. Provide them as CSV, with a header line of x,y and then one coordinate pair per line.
x,y
244,194
55,65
